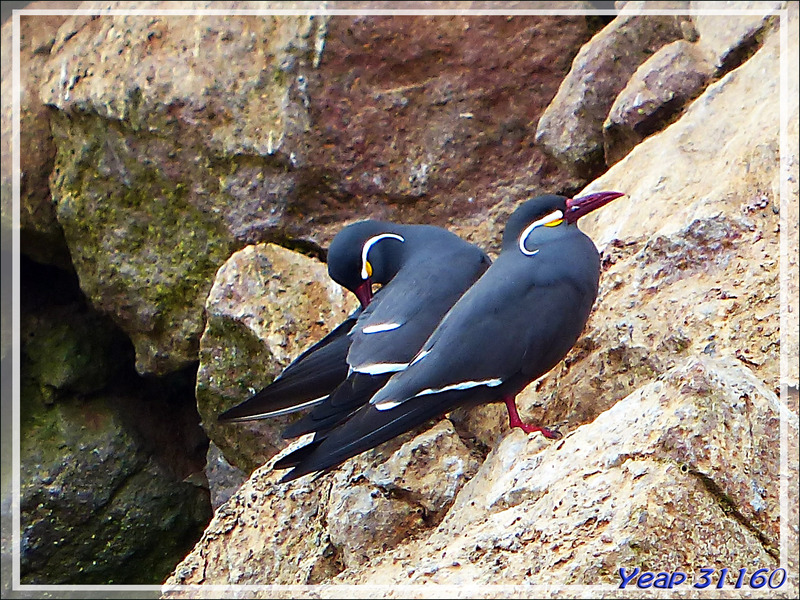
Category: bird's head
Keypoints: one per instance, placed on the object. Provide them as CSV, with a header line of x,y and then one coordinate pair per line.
x,y
549,215
365,253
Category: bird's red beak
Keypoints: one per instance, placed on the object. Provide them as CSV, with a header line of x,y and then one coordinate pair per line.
x,y
364,293
577,207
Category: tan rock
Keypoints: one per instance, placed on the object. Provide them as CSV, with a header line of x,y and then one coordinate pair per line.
x,y
266,306
430,470
709,238
728,38
396,499
701,250
121,67
669,404
244,544
654,95
571,128
653,482
308,530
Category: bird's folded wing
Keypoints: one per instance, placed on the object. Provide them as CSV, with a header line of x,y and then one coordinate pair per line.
x,y
485,342
366,429
393,331
308,380
352,394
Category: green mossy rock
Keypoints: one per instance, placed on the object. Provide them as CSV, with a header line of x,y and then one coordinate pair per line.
x,y
96,509
267,305
71,351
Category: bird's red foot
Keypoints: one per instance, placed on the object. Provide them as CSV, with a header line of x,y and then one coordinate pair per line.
x,y
550,434
515,421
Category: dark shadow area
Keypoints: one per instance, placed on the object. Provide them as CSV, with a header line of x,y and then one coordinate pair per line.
x,y
113,488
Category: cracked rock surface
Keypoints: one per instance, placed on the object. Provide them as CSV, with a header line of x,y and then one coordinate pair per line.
x,y
616,491
374,503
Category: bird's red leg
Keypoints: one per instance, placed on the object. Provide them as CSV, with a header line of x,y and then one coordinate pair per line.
x,y
515,421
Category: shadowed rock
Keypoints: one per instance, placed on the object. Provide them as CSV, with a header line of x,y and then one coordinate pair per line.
x,y
655,94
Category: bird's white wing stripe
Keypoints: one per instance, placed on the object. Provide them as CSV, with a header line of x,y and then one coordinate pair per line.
x,y
279,412
380,327
464,385
386,405
422,354
380,368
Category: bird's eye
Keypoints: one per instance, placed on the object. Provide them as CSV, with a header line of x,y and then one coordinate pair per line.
x,y
554,222
368,268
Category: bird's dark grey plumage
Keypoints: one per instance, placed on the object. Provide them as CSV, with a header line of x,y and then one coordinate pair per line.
x,y
423,271
517,322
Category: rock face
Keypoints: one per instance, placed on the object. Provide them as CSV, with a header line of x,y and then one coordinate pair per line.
x,y
388,494
188,173
96,508
266,306
41,236
662,85
398,498
141,210
639,486
223,478
672,403
571,127
597,118
728,41
679,474
704,249
419,114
